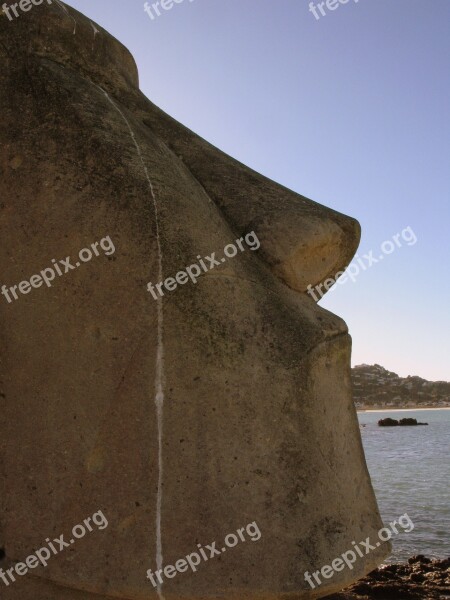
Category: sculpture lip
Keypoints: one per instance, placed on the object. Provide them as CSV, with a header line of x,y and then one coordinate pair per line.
x,y
327,325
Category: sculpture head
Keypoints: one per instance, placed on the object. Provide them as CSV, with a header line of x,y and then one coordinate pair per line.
x,y
184,418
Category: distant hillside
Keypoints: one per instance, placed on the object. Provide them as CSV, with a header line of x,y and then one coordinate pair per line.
x,y
375,387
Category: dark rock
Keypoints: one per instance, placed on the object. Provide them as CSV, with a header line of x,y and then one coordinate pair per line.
x,y
390,569
379,575
410,421
362,588
419,558
419,579
389,591
388,422
443,564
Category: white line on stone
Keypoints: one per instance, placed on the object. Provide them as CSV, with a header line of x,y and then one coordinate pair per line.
x,y
159,374
94,28
68,14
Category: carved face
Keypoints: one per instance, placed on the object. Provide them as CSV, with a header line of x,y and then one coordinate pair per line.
x,y
182,419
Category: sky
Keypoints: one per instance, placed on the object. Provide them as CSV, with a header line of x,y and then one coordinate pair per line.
x,y
350,110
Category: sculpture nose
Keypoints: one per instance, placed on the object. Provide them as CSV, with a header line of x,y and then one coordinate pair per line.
x,y
305,250
304,243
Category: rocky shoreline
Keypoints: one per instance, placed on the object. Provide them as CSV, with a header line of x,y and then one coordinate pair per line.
x,y
420,578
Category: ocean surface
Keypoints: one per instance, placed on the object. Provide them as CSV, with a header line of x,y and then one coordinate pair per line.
x,y
410,470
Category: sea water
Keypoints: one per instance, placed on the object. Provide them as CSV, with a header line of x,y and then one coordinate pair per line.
x,y
410,470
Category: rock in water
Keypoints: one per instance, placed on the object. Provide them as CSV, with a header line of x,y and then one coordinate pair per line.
x,y
388,422
184,419
410,421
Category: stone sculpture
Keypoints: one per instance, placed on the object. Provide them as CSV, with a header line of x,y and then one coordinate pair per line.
x,y
181,419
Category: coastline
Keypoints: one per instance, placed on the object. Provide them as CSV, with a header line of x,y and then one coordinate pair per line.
x,y
420,578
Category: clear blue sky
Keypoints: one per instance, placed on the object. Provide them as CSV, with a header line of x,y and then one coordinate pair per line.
x,y
351,110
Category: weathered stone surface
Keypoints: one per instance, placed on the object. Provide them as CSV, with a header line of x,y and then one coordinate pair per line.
x,y
257,421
